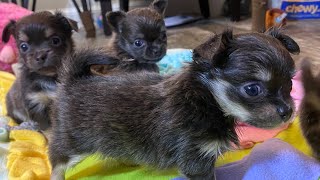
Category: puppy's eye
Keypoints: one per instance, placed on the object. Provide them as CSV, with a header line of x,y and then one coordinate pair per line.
x,y
24,47
252,89
139,43
55,40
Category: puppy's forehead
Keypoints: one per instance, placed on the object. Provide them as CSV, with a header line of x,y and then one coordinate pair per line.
x,y
146,13
34,33
40,17
262,58
23,36
37,26
145,23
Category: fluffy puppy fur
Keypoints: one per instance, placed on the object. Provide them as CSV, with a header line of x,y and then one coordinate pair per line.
x,y
310,109
183,121
140,37
43,39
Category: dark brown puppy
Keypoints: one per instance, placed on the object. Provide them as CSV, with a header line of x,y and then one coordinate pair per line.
x,y
43,39
183,121
310,109
141,39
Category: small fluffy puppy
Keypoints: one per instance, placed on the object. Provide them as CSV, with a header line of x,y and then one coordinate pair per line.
x,y
43,39
140,37
185,120
310,109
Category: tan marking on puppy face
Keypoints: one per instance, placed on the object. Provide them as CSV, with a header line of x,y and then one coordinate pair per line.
x,y
219,90
41,99
49,32
23,37
263,75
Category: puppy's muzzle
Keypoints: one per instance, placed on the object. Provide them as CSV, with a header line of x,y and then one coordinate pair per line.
x,y
284,112
156,52
41,56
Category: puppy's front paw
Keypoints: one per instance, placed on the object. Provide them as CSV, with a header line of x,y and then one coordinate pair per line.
x,y
29,125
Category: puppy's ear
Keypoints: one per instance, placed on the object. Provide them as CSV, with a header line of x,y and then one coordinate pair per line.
x,y
160,6
114,19
8,30
286,41
214,52
101,69
69,23
73,24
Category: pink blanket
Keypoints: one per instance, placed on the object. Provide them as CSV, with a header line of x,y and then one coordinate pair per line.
x,y
9,52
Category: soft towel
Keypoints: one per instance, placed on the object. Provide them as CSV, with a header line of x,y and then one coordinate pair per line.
x,y
6,81
274,159
27,158
27,151
174,60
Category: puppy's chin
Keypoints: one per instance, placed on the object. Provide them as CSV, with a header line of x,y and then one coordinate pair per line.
x,y
149,60
47,71
265,116
272,125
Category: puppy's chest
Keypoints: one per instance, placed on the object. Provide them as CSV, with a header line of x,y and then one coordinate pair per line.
x,y
41,95
214,147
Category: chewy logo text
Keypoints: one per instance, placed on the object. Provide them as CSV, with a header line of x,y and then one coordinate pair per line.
x,y
302,8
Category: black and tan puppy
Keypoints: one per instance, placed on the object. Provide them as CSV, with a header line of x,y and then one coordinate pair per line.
x,y
43,39
183,121
140,37
310,109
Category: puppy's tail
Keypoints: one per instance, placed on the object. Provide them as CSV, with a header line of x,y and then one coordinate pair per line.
x,y
79,64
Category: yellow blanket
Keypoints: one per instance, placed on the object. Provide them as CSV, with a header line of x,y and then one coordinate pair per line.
x,y
28,158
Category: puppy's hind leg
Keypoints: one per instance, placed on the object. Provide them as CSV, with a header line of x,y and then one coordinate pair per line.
x,y
197,167
59,168
62,156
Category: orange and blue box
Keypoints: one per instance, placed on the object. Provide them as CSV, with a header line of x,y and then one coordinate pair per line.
x,y
301,9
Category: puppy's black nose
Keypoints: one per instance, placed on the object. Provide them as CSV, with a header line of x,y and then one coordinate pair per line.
x,y
42,56
156,51
284,112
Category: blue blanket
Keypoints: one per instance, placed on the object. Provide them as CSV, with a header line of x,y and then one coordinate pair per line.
x,y
272,160
174,60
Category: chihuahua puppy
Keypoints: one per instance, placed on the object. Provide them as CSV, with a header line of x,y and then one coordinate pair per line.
x,y
140,37
185,120
43,39
310,109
